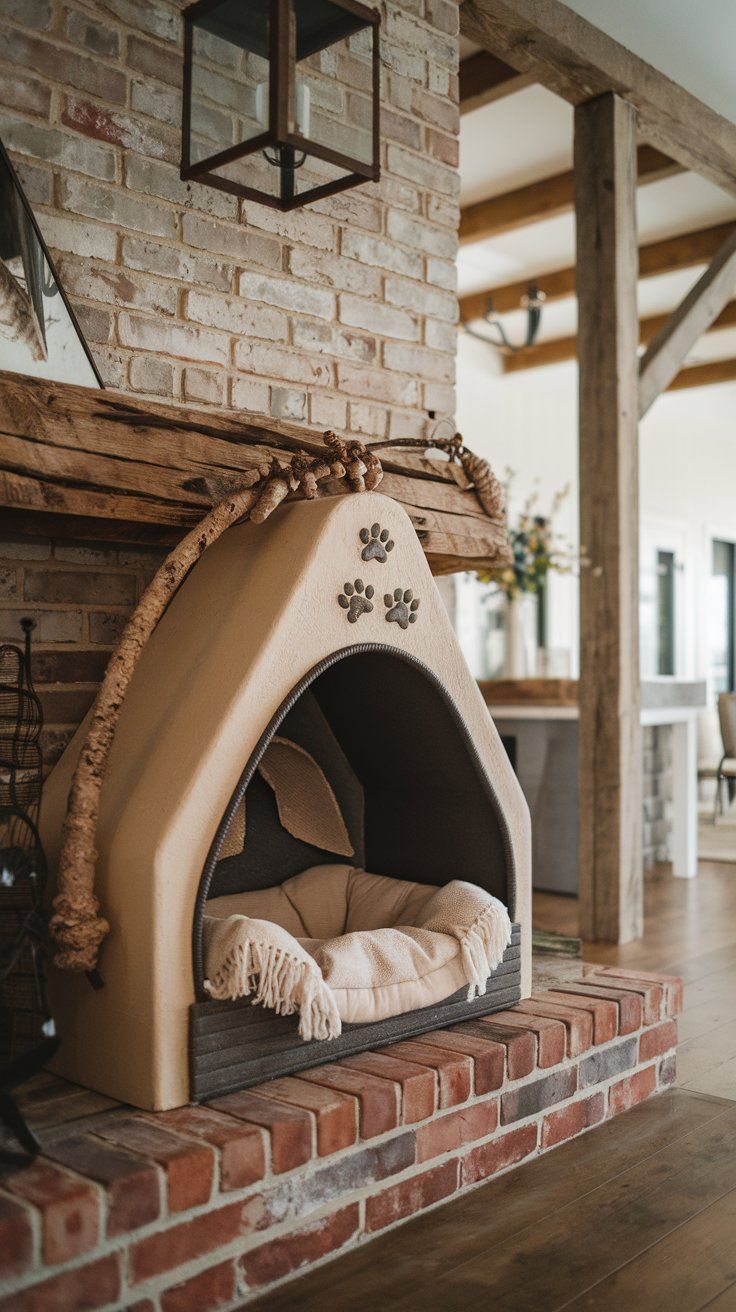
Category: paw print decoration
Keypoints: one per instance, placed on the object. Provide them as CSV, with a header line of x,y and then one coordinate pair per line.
x,y
377,543
401,607
356,600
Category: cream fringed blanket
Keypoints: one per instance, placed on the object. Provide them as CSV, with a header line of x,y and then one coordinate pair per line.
x,y
339,945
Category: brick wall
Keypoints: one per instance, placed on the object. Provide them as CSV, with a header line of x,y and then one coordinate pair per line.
x,y
208,1207
657,794
341,314
80,596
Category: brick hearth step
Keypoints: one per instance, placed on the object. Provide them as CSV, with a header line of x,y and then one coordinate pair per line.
x,y
208,1206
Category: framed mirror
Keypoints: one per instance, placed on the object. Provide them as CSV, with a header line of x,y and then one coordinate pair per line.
x,y
39,333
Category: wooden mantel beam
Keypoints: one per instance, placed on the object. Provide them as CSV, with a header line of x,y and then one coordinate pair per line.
x,y
610,736
557,349
484,78
578,61
83,463
667,256
545,199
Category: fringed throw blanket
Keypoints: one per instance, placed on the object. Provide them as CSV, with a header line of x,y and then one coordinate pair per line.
x,y
338,945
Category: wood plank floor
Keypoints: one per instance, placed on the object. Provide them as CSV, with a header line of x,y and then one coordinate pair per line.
x,y
638,1214
690,930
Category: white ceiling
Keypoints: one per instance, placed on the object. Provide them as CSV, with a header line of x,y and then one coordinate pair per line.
x,y
528,135
514,141
692,43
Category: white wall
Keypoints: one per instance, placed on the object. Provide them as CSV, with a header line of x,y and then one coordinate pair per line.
x,y
527,423
528,420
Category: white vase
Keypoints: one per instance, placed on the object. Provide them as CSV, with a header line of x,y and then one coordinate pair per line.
x,y
521,637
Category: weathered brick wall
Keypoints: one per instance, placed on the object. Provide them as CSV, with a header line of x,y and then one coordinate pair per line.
x,y
80,596
341,314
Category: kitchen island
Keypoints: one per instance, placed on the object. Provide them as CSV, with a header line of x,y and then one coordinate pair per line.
x,y
537,719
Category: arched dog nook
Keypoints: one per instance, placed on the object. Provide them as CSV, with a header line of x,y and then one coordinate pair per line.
x,y
418,800
264,637
419,805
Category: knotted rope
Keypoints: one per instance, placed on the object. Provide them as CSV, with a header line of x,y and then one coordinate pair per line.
x,y
76,924
482,478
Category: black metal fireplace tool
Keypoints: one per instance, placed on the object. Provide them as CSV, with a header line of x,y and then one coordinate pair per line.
x,y
27,1034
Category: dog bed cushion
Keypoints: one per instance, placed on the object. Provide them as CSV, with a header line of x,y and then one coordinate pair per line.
x,y
340,945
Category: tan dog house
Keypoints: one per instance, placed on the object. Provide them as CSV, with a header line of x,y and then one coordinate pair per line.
x,y
323,627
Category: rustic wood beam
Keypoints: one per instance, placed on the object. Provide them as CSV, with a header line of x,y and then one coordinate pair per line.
x,y
576,60
704,375
485,78
546,199
79,461
610,736
558,349
665,354
667,256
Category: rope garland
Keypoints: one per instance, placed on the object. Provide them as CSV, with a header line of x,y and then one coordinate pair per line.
x,y
482,478
77,925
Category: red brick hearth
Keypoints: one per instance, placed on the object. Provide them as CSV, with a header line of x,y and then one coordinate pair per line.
x,y
206,1207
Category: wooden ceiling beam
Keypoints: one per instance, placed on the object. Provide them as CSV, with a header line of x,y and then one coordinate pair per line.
x,y
485,78
704,375
558,349
546,199
667,256
666,353
578,61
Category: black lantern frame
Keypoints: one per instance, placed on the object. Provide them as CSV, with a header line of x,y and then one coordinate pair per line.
x,y
278,135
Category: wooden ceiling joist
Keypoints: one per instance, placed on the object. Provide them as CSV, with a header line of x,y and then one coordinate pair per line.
x,y
558,349
546,199
667,256
484,78
704,375
571,57
694,375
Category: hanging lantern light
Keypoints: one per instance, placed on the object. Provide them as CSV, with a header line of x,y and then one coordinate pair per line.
x,y
281,98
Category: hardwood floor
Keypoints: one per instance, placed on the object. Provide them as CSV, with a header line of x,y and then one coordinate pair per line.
x,y
638,1214
689,930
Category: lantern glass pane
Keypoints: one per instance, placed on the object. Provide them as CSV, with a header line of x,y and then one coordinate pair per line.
x,y
258,171
332,94
230,77
312,132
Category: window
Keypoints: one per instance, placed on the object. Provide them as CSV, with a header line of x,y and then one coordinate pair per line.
x,y
664,599
722,618
665,612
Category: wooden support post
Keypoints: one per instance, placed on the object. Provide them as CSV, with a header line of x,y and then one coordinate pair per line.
x,y
611,896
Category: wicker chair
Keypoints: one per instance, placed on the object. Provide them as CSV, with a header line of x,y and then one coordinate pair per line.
x,y
727,764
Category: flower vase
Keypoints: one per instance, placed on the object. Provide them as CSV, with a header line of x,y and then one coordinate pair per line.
x,y
521,637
